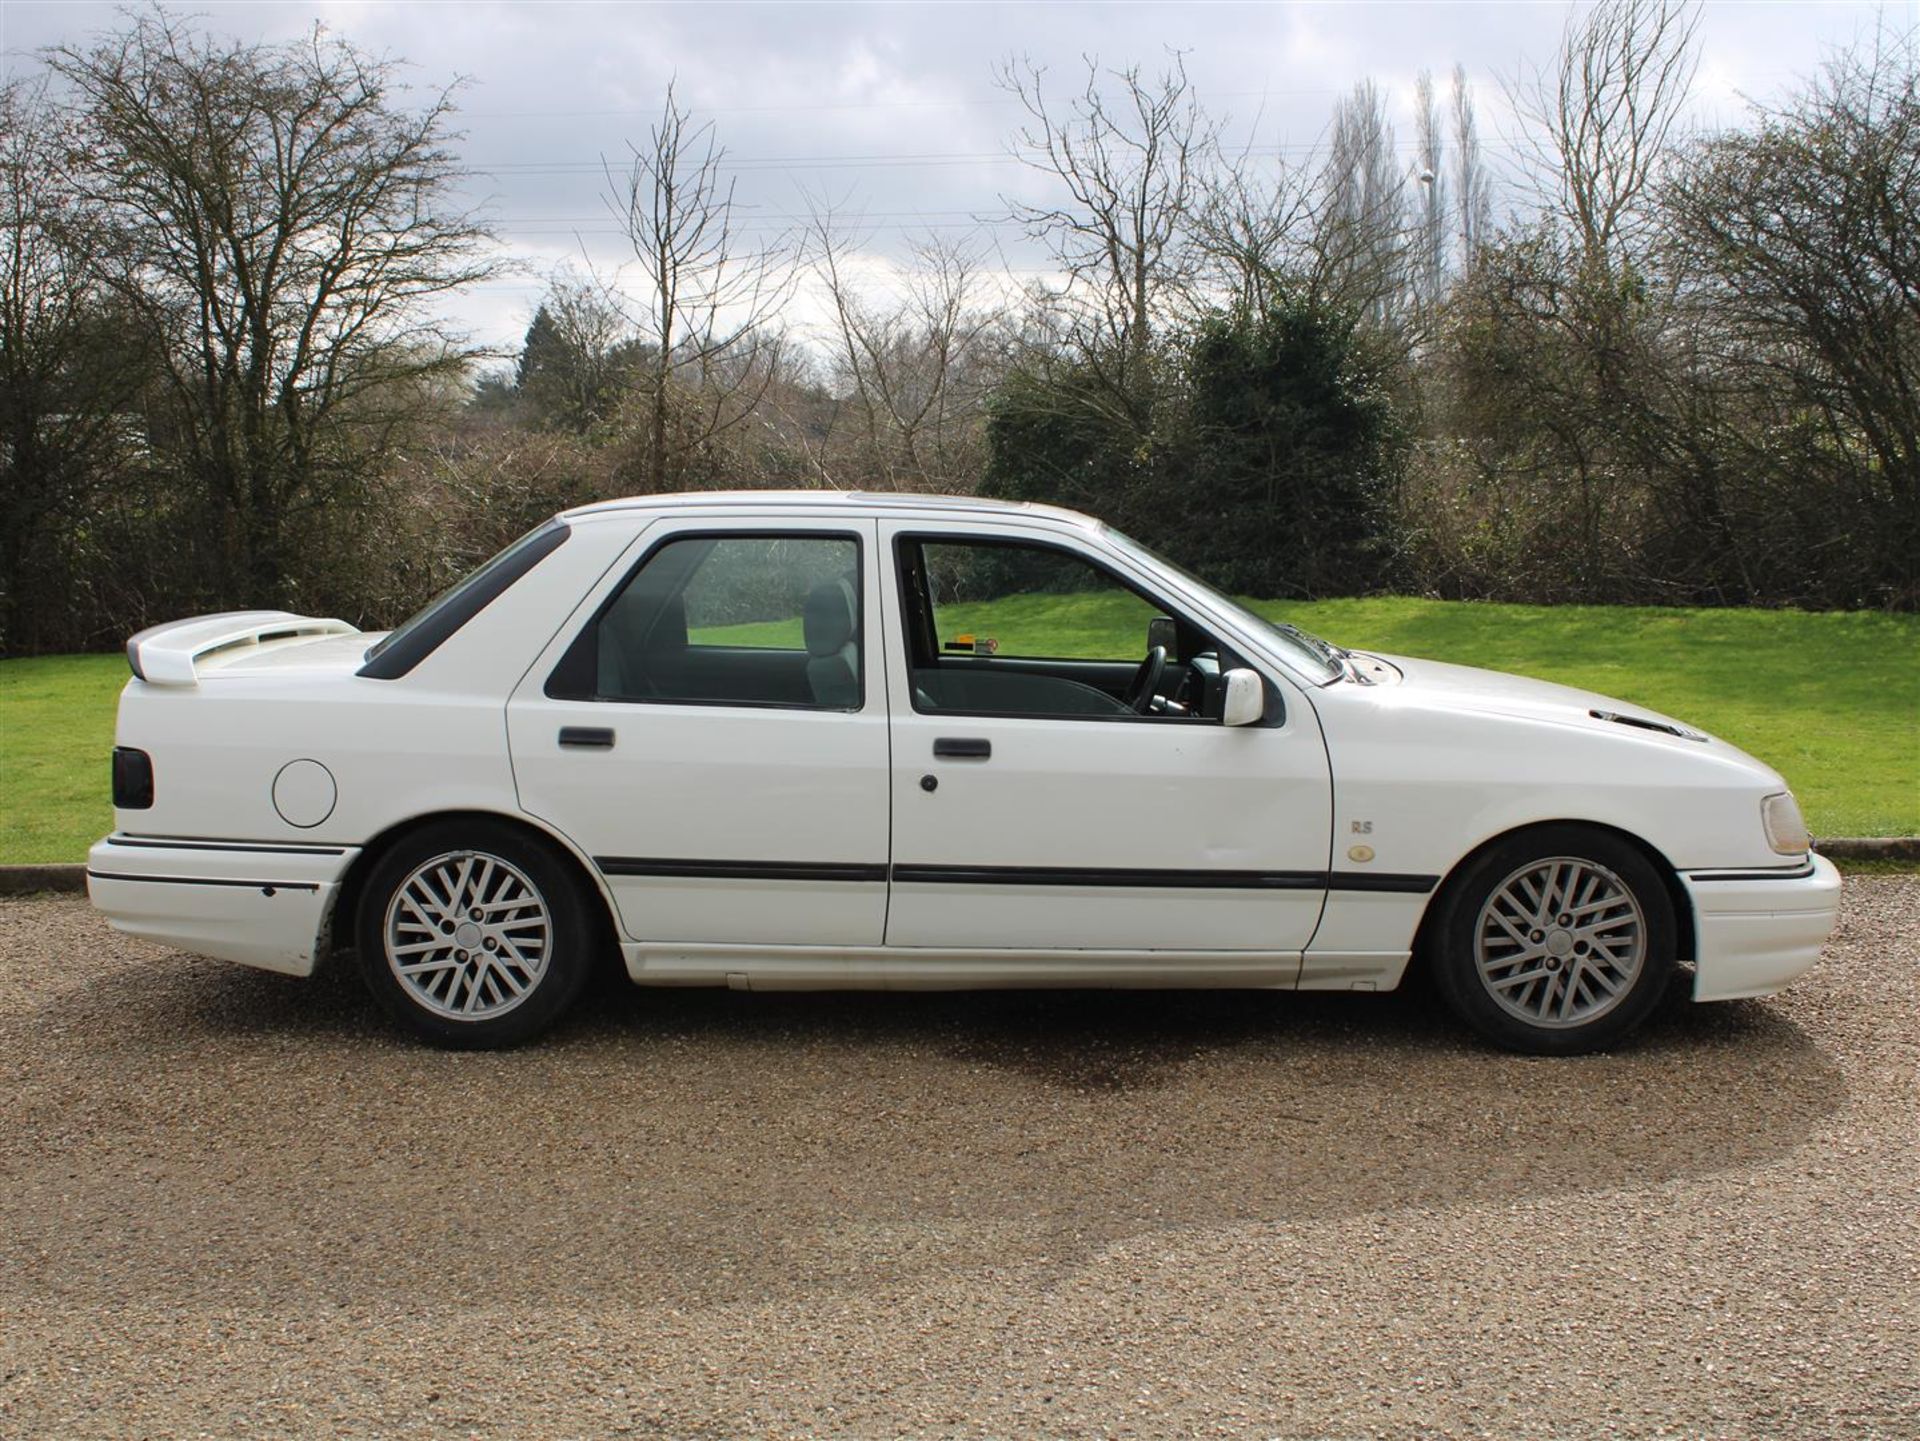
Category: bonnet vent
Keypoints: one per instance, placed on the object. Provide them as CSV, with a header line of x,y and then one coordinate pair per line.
x,y
1644,724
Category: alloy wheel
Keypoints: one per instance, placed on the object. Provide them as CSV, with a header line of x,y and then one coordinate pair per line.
x,y
1560,942
467,935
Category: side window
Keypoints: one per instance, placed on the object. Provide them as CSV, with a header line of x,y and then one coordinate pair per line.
x,y
771,620
1031,602
1006,628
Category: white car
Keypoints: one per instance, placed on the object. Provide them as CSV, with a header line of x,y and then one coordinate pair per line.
x,y
871,741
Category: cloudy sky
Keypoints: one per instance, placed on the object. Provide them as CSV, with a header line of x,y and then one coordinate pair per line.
x,y
890,110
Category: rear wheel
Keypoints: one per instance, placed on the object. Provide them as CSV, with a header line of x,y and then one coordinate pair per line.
x,y
472,934
1556,941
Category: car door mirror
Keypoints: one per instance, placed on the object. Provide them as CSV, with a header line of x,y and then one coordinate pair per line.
x,y
1162,632
1246,698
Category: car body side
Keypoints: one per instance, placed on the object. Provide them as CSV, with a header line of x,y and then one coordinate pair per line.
x,y
1417,780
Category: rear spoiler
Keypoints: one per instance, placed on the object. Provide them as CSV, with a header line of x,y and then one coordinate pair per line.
x,y
165,654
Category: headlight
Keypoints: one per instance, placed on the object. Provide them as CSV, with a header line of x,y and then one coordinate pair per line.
x,y
1786,832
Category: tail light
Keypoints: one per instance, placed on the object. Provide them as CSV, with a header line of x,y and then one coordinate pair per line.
x,y
132,779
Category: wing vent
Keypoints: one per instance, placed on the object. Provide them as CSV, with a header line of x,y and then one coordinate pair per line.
x,y
1645,724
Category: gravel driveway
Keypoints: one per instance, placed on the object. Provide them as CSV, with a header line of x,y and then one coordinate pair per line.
x,y
235,1204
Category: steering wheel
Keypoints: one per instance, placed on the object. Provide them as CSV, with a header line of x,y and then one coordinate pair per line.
x,y
1146,680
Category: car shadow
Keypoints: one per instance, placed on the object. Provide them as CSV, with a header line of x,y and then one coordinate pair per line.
x,y
693,1144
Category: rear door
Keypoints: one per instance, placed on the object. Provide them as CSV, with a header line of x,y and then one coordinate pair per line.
x,y
1034,809
711,728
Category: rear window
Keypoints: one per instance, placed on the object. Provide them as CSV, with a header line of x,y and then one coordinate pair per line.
x,y
424,632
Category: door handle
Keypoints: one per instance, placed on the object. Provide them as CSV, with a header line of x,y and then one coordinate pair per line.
x,y
963,748
587,737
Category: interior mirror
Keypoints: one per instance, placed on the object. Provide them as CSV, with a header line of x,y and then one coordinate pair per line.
x,y
1246,698
1162,632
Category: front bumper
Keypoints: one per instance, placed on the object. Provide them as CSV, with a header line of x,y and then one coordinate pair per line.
x,y
255,902
1755,931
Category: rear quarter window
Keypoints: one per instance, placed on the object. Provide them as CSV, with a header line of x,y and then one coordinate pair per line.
x,y
428,629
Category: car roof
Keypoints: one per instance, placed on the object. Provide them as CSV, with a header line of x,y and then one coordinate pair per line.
x,y
865,502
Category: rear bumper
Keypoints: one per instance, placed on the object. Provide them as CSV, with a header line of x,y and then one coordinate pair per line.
x,y
253,902
1757,931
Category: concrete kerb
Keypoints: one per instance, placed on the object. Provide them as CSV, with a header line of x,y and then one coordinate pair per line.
x,y
25,880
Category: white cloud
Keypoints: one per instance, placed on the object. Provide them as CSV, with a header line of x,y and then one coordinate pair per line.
x,y
806,96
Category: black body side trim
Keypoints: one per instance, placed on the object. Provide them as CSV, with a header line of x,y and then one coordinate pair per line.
x,y
741,870
1411,885
1114,876
265,848
1798,873
206,881
421,636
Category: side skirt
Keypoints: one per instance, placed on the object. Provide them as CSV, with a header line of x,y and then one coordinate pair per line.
x,y
896,968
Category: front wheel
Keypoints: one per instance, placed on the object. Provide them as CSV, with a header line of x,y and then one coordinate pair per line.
x,y
472,934
1556,941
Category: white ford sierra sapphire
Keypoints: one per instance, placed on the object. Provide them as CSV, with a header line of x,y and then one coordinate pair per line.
x,y
840,741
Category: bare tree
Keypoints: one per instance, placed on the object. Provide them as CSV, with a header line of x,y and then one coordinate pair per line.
x,y
1363,232
1800,238
1130,169
1430,198
1600,123
282,220
579,355
915,371
1254,229
1473,194
1356,228
67,370
709,298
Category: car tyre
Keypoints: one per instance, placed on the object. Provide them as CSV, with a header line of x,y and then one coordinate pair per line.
x,y
473,935
1555,941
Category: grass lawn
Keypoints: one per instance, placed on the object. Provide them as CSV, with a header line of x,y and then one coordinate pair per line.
x,y
1830,700
56,734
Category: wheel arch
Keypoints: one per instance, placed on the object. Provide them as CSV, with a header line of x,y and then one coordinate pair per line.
x,y
337,925
1683,918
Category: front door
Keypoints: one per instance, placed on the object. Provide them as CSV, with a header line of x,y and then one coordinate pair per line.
x,y
711,728
1061,778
